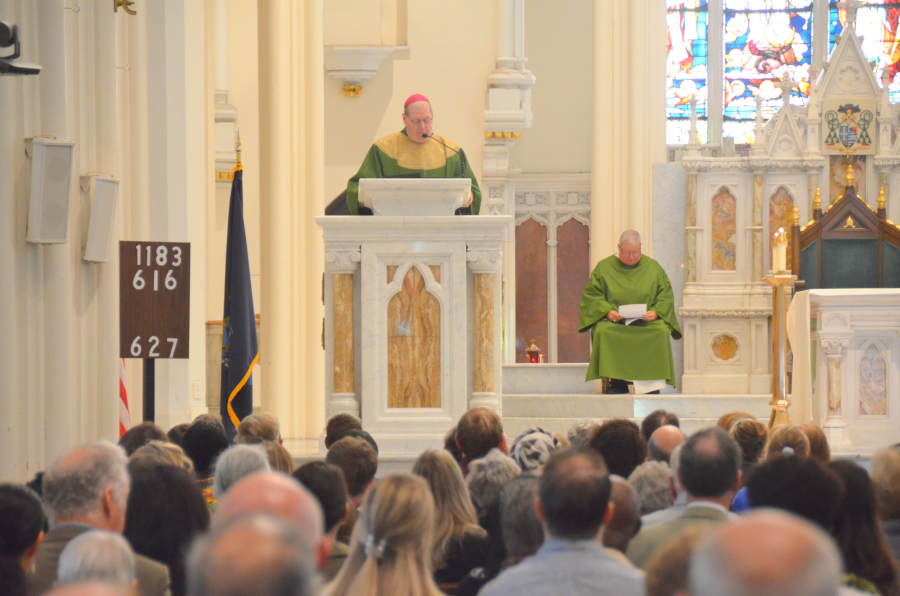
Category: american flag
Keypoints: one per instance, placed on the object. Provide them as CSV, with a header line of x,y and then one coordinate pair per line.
x,y
124,412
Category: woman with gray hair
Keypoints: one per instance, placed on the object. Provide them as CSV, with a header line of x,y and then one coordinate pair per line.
x,y
97,556
235,463
652,481
487,477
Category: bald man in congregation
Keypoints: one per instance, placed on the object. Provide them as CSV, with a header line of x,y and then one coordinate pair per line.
x,y
640,352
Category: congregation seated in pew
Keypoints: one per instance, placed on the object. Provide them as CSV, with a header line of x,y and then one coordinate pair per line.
x,y
518,531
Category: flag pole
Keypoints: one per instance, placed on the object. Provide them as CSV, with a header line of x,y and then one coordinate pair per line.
x,y
237,149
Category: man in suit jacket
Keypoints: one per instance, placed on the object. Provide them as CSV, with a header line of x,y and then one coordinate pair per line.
x,y
84,490
710,470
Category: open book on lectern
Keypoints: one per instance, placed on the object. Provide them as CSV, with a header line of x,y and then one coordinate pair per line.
x,y
414,196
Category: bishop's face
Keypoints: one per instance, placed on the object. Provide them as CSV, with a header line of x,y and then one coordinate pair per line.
x,y
630,254
419,121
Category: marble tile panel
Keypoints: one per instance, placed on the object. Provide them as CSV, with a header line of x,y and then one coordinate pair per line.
x,y
483,332
414,345
872,383
531,288
573,269
342,293
724,231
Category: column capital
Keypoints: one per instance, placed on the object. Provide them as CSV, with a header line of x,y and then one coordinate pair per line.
x,y
342,259
834,346
484,258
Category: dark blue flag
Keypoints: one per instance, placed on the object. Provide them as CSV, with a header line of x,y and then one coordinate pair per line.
x,y
240,351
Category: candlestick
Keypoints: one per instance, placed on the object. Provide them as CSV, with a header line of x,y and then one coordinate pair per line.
x,y
779,251
779,402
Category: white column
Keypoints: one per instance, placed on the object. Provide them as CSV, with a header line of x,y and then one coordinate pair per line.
x,y
628,119
834,349
57,282
292,193
507,114
176,118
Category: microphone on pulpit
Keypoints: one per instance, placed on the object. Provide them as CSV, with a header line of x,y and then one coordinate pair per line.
x,y
462,157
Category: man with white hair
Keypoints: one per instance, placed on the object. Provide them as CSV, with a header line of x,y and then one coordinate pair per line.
x,y
97,556
87,489
678,493
766,553
235,463
639,353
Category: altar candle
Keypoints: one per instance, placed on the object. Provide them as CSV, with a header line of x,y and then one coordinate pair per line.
x,y
779,252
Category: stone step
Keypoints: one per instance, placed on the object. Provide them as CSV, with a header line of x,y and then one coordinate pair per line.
x,y
578,406
513,427
546,379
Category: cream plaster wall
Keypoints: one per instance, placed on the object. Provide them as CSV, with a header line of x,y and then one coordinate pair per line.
x,y
243,94
558,47
452,50
134,118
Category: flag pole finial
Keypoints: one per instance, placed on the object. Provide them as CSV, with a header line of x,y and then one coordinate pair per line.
x,y
237,148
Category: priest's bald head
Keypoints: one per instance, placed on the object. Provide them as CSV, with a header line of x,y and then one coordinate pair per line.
x,y
418,118
630,247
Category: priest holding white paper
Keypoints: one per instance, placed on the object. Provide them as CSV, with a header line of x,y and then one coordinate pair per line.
x,y
629,307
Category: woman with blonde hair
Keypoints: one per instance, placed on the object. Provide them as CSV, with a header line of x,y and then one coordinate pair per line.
x,y
787,440
818,443
460,544
390,551
784,441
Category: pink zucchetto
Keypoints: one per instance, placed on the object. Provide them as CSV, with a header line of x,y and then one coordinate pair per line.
x,y
414,98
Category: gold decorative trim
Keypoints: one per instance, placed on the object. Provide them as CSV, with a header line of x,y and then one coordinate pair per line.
x,y
882,200
850,223
352,90
224,176
503,135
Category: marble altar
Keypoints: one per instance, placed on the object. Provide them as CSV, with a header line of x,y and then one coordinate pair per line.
x,y
846,375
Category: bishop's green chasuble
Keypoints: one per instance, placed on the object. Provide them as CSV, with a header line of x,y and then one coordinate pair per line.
x,y
640,351
396,154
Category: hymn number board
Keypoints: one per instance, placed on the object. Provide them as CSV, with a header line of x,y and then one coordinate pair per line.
x,y
154,299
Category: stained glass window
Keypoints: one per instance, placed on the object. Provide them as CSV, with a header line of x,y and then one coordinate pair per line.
x,y
876,24
765,40
686,62
762,41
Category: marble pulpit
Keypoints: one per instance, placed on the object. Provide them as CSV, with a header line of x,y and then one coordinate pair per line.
x,y
846,365
412,323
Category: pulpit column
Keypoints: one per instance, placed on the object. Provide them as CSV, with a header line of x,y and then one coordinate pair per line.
x,y
834,348
484,261
341,264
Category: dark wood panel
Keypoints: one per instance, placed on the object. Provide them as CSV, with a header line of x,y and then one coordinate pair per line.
x,y
572,272
531,287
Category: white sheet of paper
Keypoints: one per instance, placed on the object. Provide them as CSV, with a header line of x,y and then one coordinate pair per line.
x,y
633,312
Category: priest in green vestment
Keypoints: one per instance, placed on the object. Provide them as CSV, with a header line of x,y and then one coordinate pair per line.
x,y
640,352
414,150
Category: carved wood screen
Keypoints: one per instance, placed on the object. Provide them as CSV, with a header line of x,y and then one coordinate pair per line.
x,y
850,245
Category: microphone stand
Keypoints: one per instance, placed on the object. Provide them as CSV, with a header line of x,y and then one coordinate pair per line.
x,y
462,159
